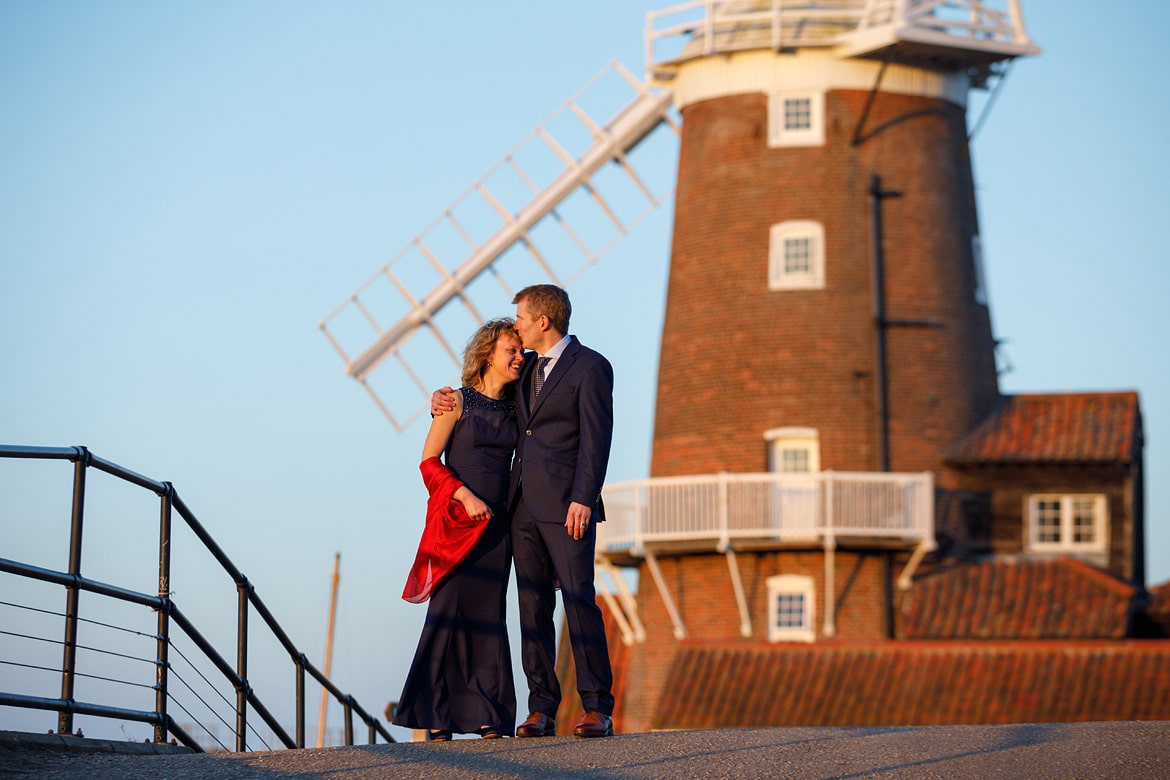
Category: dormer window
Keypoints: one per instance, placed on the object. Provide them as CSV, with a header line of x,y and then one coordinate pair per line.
x,y
1067,523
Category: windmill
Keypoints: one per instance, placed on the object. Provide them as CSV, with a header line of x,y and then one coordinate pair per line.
x,y
495,225
827,332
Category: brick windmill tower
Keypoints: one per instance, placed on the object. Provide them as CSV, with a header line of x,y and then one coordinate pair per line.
x,y
828,411
826,303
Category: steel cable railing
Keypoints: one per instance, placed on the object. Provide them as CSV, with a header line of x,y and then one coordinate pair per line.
x,y
114,654
167,612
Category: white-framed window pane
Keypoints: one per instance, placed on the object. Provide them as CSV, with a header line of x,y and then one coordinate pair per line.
x,y
796,256
1083,526
791,607
1048,521
794,460
796,118
790,611
797,113
1067,523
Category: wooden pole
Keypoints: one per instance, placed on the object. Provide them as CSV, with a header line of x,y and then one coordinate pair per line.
x,y
329,649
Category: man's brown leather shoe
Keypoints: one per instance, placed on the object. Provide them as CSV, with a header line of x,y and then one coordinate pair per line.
x,y
594,724
537,725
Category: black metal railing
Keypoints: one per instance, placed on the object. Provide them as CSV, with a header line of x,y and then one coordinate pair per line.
x,y
168,616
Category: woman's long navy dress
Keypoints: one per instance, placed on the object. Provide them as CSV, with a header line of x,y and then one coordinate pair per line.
x,y
461,676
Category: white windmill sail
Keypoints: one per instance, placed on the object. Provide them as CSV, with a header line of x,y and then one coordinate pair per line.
x,y
550,207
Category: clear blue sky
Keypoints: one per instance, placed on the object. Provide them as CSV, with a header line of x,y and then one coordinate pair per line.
x,y
188,188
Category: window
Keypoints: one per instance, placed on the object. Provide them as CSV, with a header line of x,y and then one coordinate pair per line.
x,y
980,281
796,454
796,256
796,119
793,450
1067,523
791,608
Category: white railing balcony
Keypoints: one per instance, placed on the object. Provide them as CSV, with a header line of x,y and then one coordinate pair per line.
x,y
975,31
723,509
700,28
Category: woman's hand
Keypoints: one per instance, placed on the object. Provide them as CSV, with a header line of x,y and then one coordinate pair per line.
x,y
476,508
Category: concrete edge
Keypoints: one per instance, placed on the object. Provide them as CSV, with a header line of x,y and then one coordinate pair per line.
x,y
19,740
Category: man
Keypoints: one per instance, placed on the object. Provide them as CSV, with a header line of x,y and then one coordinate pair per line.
x,y
564,410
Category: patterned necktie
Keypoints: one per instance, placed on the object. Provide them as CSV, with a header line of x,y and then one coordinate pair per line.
x,y
538,376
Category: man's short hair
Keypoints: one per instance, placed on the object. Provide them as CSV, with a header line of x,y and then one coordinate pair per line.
x,y
549,300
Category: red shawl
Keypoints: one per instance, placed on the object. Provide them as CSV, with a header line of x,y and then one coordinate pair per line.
x,y
448,536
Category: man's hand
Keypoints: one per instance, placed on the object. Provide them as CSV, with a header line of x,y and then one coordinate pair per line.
x,y
577,521
442,400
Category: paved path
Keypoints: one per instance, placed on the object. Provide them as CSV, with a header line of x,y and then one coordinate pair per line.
x,y
1129,750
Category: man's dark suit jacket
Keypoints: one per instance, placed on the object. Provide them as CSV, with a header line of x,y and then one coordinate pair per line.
x,y
565,436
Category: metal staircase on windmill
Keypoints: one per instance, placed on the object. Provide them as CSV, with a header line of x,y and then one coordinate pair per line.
x,y
517,220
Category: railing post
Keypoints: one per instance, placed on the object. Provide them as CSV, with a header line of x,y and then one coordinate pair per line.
x,y
349,721
827,521
242,588
830,627
724,534
73,592
162,636
300,662
926,504
641,514
777,27
709,27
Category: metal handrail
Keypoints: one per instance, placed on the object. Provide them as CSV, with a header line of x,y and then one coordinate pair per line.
x,y
66,706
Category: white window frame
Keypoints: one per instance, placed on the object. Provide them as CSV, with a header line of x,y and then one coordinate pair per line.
x,y
793,438
780,131
779,277
1066,519
797,587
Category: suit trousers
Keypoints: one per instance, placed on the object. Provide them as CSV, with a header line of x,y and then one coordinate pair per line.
x,y
543,554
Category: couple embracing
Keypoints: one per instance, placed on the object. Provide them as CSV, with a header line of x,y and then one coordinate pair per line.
x,y
525,445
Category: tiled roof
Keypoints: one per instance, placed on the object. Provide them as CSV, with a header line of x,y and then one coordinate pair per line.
x,y
1058,427
915,683
1159,607
1061,598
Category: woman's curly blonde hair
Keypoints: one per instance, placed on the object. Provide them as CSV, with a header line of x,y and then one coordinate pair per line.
x,y
480,346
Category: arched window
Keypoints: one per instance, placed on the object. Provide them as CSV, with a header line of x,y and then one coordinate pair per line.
x,y
793,450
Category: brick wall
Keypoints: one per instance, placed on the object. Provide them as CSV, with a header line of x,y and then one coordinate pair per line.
x,y
738,359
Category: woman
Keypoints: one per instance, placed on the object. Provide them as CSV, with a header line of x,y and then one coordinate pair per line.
x,y
461,677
